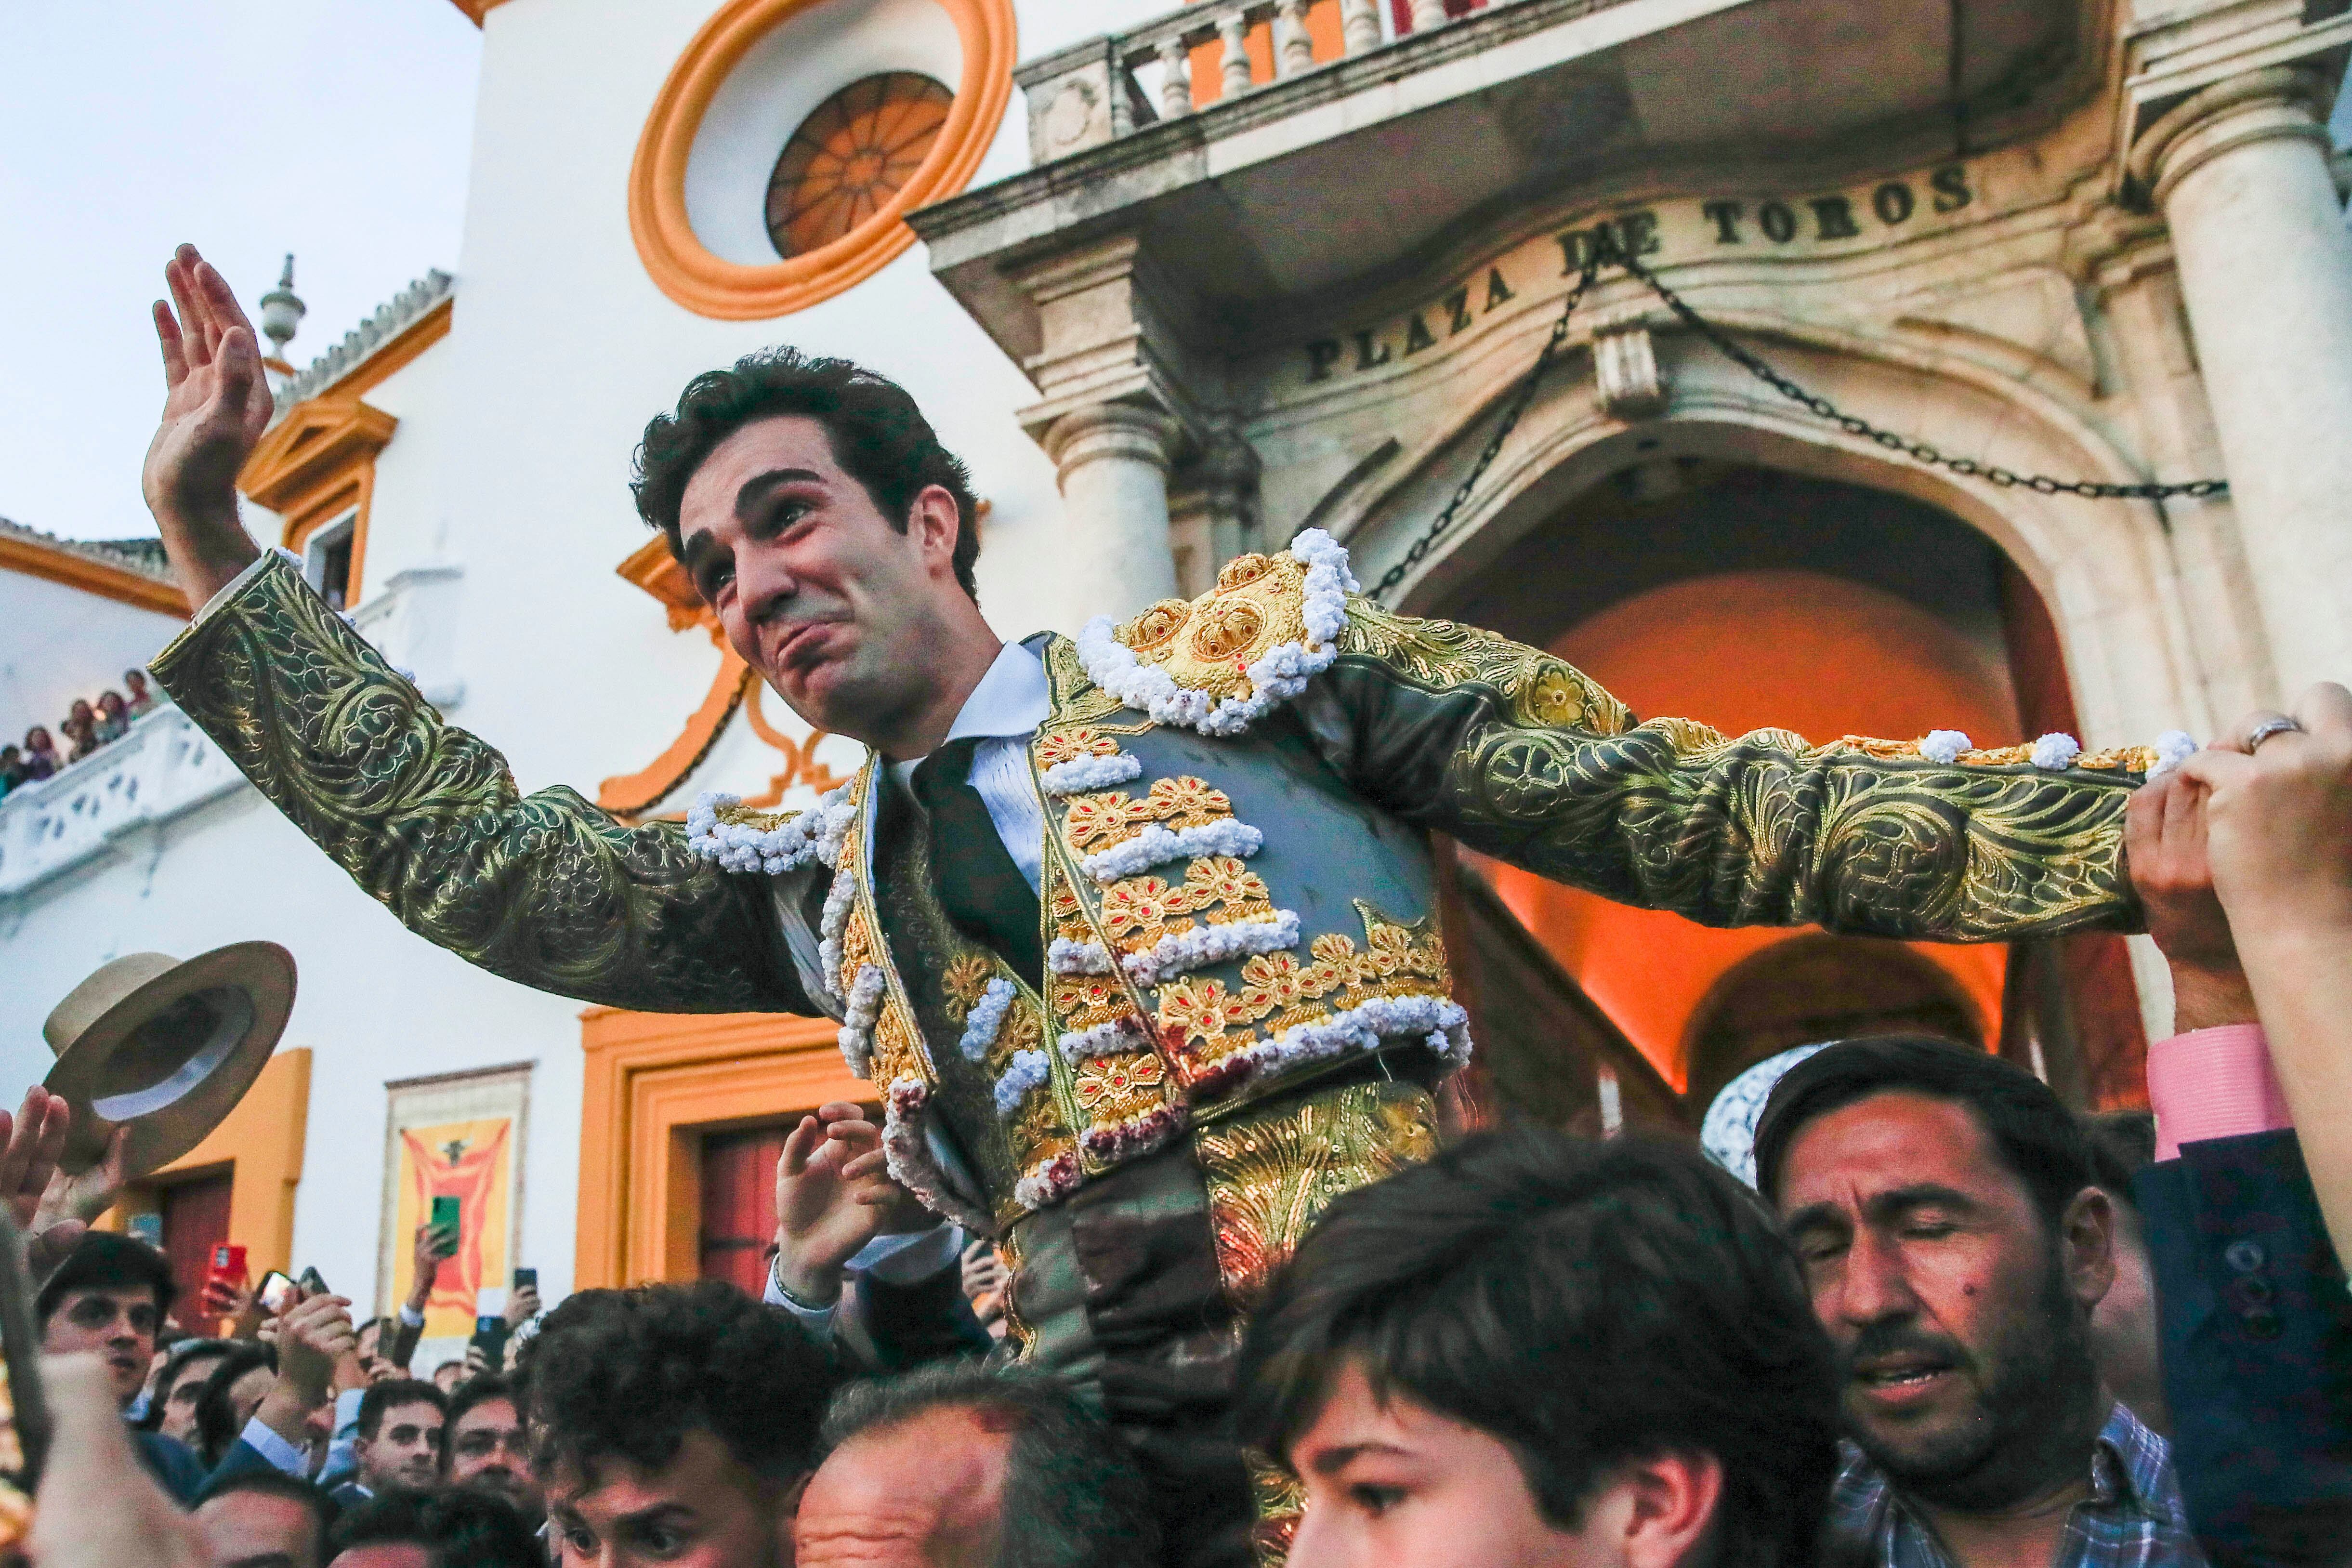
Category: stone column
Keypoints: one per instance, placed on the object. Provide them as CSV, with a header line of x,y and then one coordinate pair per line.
x,y
2240,172
1112,460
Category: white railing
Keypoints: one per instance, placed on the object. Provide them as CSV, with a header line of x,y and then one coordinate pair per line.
x,y
1107,87
164,767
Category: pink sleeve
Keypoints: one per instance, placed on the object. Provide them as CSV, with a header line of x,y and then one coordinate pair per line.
x,y
2213,1083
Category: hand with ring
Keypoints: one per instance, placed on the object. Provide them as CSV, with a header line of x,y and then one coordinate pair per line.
x,y
2279,817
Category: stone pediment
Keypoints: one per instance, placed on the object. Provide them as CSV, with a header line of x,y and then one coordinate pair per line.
x,y
317,444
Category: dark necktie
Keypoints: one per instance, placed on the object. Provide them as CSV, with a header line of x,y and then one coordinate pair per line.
x,y
979,886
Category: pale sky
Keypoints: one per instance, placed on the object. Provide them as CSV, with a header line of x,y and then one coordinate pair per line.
x,y
338,129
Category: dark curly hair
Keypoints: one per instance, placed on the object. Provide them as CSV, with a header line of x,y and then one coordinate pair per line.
x,y
879,437
627,1373
458,1529
1585,1303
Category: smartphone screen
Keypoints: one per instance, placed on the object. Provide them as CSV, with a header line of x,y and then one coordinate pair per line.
x,y
526,1280
277,1290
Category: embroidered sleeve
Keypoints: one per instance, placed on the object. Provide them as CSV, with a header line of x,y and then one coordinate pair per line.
x,y
544,888
1520,756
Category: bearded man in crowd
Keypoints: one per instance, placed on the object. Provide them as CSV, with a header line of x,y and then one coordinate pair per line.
x,y
1121,927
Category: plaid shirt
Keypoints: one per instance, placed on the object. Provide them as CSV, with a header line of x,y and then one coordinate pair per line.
x,y
2132,1518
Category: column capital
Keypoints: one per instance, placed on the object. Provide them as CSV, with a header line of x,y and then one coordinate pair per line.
x,y
2275,102
1134,432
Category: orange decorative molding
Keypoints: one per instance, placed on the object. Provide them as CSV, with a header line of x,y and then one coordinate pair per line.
x,y
801,766
654,1083
318,463
60,562
731,291
260,1145
477,9
411,340
652,567
633,795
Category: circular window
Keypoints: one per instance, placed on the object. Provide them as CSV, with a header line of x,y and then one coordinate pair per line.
x,y
851,156
696,192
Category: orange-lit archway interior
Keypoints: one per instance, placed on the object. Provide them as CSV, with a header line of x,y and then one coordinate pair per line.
x,y
1745,650
1747,598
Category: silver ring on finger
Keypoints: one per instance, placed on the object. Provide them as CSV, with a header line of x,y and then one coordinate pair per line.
x,y
2277,724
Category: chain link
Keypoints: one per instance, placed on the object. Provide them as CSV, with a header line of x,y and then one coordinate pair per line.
x,y
1511,412
1607,254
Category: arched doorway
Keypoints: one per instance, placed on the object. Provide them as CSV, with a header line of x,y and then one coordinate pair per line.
x,y
1820,987
1748,596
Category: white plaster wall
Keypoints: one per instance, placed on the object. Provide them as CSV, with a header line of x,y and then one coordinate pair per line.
x,y
512,461
58,643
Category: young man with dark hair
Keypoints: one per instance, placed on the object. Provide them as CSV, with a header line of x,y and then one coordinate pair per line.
x,y
484,1445
108,1298
673,1422
453,1529
1095,913
262,1519
1548,1352
400,1429
173,1410
962,1464
1955,1243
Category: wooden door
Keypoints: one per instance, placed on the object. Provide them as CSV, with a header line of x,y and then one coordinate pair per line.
x,y
738,1205
195,1220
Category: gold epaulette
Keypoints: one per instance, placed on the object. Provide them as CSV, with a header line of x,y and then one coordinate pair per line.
x,y
1208,644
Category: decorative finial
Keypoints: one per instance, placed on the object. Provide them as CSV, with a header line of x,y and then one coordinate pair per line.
x,y
281,310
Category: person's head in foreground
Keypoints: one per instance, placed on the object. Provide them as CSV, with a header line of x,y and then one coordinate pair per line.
x,y
958,1466
231,1392
265,1519
1548,1352
173,1410
1942,1205
452,1529
400,1426
109,1297
484,1445
819,517
673,1424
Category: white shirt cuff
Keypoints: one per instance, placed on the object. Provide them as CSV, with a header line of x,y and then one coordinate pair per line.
x,y
410,1316
903,1259
235,585
817,1321
281,1453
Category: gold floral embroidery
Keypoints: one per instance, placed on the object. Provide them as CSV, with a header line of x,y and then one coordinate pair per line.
x,y
1244,569
1113,817
1396,961
1068,745
1087,1001
895,1052
965,979
1120,1087
2131,759
857,950
1156,625
1200,1009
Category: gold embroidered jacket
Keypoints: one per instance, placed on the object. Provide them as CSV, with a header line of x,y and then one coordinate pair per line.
x,y
1237,897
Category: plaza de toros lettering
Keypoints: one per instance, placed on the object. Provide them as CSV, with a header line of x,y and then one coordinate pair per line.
x,y
1686,229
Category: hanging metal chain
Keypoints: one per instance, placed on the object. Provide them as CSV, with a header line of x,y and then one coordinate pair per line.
x,y
1610,255
1511,412
1918,451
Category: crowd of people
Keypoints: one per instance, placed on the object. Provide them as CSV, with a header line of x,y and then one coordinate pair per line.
x,y
85,727
1953,1323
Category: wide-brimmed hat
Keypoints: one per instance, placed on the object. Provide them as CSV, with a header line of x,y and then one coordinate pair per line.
x,y
165,1047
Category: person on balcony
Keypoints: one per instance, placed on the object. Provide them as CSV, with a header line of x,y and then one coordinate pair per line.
x,y
1135,934
41,758
113,717
80,729
142,698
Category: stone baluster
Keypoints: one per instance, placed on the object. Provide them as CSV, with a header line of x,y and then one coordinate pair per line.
x,y
1360,24
2240,173
1175,78
1427,14
1293,51
1232,30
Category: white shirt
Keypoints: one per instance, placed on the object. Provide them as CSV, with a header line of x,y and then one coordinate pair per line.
x,y
1005,711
